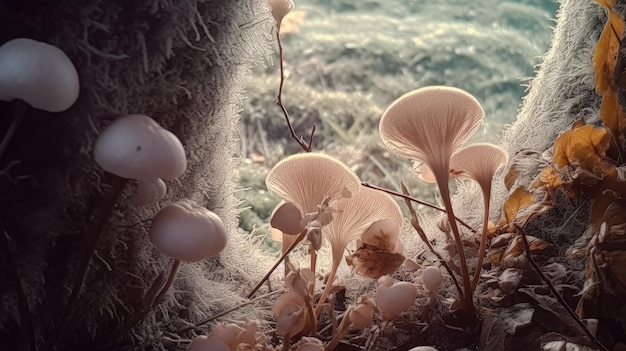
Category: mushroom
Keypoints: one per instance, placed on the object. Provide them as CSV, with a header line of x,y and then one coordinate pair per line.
x,y
479,162
280,9
393,298
290,312
357,216
432,279
37,74
359,316
149,192
423,348
428,125
188,232
306,179
137,147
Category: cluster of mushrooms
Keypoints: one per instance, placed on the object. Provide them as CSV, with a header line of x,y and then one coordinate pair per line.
x,y
38,75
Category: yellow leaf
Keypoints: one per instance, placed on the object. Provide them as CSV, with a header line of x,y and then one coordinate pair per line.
x,y
518,200
607,48
584,146
611,113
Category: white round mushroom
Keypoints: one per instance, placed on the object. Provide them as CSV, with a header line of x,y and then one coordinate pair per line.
x,y
39,74
137,147
188,232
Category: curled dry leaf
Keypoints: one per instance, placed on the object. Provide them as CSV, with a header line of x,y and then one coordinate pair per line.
x,y
374,263
519,199
506,255
584,145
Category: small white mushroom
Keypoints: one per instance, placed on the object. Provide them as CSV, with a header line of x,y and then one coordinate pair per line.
x,y
393,298
188,232
432,278
137,147
149,192
39,74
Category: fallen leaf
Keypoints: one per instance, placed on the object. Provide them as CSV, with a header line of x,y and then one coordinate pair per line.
x,y
607,48
519,199
373,263
583,145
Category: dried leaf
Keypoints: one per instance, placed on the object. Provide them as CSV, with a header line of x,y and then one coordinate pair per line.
x,y
516,248
584,146
607,48
374,263
611,113
519,199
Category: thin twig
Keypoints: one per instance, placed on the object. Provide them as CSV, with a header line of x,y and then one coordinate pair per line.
x,y
26,315
280,259
410,198
279,101
108,207
556,293
223,313
422,235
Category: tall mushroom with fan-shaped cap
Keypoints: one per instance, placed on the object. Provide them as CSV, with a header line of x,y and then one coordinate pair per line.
x,y
428,125
304,181
355,216
479,162
38,74
280,9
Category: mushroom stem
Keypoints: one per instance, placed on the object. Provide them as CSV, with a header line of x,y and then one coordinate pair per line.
x,y
329,285
21,107
341,331
286,343
312,267
468,301
483,239
312,319
280,259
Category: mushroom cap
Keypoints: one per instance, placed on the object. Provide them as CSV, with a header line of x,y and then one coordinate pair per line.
x,y
38,73
357,215
310,344
280,9
286,217
423,348
188,232
478,161
362,315
394,298
290,314
305,179
432,278
149,192
137,147
430,123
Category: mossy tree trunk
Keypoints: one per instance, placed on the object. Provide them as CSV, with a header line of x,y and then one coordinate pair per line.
x,y
182,62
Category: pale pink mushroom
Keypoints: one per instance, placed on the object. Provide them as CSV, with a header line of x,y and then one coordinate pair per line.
x,y
432,278
280,9
188,232
149,192
39,74
137,147
427,125
306,179
359,317
393,298
356,216
203,343
290,312
310,344
479,162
